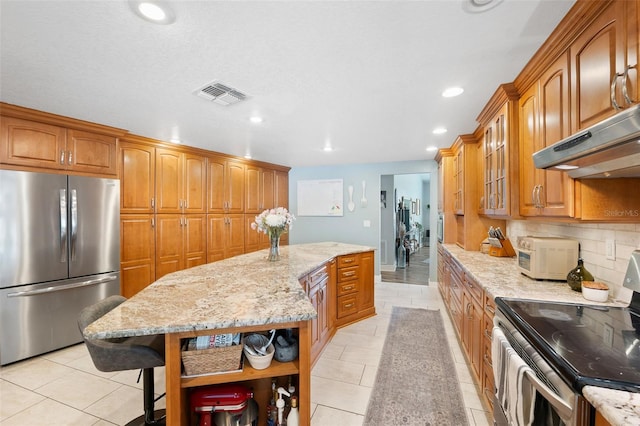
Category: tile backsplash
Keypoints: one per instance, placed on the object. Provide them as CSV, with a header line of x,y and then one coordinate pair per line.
x,y
592,238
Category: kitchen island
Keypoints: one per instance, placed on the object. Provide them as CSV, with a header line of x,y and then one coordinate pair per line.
x,y
240,294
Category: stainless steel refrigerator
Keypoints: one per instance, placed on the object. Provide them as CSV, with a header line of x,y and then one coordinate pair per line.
x,y
59,252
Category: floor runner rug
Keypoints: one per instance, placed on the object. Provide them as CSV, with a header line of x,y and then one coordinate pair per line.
x,y
416,383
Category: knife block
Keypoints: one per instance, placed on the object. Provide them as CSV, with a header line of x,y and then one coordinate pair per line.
x,y
505,251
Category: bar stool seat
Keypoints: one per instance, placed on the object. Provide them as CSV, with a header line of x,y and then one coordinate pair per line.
x,y
131,353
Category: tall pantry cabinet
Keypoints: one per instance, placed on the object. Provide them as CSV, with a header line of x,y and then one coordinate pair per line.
x,y
180,208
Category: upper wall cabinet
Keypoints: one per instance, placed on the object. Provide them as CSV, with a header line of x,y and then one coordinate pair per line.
x,y
137,178
544,120
180,182
604,68
259,189
226,187
499,154
45,145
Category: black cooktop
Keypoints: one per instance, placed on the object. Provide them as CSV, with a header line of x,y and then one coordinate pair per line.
x,y
586,344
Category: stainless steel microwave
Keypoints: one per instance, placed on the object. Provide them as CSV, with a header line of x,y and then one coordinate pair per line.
x,y
546,258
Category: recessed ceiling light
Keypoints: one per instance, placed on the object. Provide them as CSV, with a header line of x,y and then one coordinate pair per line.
x,y
432,148
256,119
155,11
565,167
439,130
452,91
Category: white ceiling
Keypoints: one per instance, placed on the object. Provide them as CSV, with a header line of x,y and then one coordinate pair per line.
x,y
365,75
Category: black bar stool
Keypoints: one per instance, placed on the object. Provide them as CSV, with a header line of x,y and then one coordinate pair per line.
x,y
130,353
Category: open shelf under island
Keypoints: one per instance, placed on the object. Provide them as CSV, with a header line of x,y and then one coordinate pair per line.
x,y
247,294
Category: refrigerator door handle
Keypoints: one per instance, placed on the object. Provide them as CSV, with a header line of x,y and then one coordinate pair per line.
x,y
63,225
55,288
74,223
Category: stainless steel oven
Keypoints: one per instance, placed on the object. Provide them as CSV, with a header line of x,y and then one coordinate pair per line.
x,y
535,394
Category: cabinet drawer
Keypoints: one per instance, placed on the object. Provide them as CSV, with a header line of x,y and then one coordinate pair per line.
x,y
347,305
317,276
349,260
347,287
348,274
474,289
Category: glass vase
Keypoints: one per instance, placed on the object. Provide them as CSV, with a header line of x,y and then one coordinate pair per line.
x,y
577,275
274,247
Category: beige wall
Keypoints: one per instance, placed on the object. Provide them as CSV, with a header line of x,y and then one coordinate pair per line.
x,y
592,238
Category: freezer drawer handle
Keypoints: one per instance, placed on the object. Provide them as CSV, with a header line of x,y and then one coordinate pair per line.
x,y
63,225
63,287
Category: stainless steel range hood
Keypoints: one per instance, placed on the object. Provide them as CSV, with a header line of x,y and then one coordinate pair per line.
x,y
609,149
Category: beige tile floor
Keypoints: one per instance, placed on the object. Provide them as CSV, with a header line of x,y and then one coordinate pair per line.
x,y
64,388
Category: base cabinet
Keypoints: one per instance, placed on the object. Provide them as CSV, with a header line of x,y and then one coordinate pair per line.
x,y
471,311
355,292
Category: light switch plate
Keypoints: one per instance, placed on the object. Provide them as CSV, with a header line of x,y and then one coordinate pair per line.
x,y
610,250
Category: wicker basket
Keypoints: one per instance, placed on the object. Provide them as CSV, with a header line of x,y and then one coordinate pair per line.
x,y
213,360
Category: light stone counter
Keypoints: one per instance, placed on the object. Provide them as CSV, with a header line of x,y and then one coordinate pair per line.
x,y
500,277
619,408
241,291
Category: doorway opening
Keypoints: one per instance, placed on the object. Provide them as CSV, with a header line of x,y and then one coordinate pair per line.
x,y
404,228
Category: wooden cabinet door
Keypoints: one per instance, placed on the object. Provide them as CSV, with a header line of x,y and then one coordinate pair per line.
x,y
169,251
137,253
216,234
315,299
253,189
529,143
268,193
137,178
91,153
597,57
254,240
195,184
33,144
215,185
458,178
235,235
366,288
557,191
281,187
234,187
169,181
194,240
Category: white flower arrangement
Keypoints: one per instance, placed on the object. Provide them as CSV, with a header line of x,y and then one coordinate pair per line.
x,y
273,222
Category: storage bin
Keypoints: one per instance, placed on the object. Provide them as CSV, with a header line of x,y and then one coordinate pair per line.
x,y
212,360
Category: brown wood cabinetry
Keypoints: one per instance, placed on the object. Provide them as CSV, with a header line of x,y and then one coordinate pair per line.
x,y
137,252
471,311
180,182
603,60
469,228
137,178
355,292
259,189
544,120
499,153
320,292
37,145
226,185
225,236
181,242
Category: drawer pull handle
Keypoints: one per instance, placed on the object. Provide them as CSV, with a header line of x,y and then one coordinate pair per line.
x,y
348,274
348,288
348,305
347,261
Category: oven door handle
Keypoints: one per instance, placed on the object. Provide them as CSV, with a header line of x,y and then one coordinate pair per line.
x,y
563,409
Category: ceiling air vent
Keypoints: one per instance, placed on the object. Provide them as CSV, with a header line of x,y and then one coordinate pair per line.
x,y
221,94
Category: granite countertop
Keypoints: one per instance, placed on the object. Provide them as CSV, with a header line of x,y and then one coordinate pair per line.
x,y
245,290
500,277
